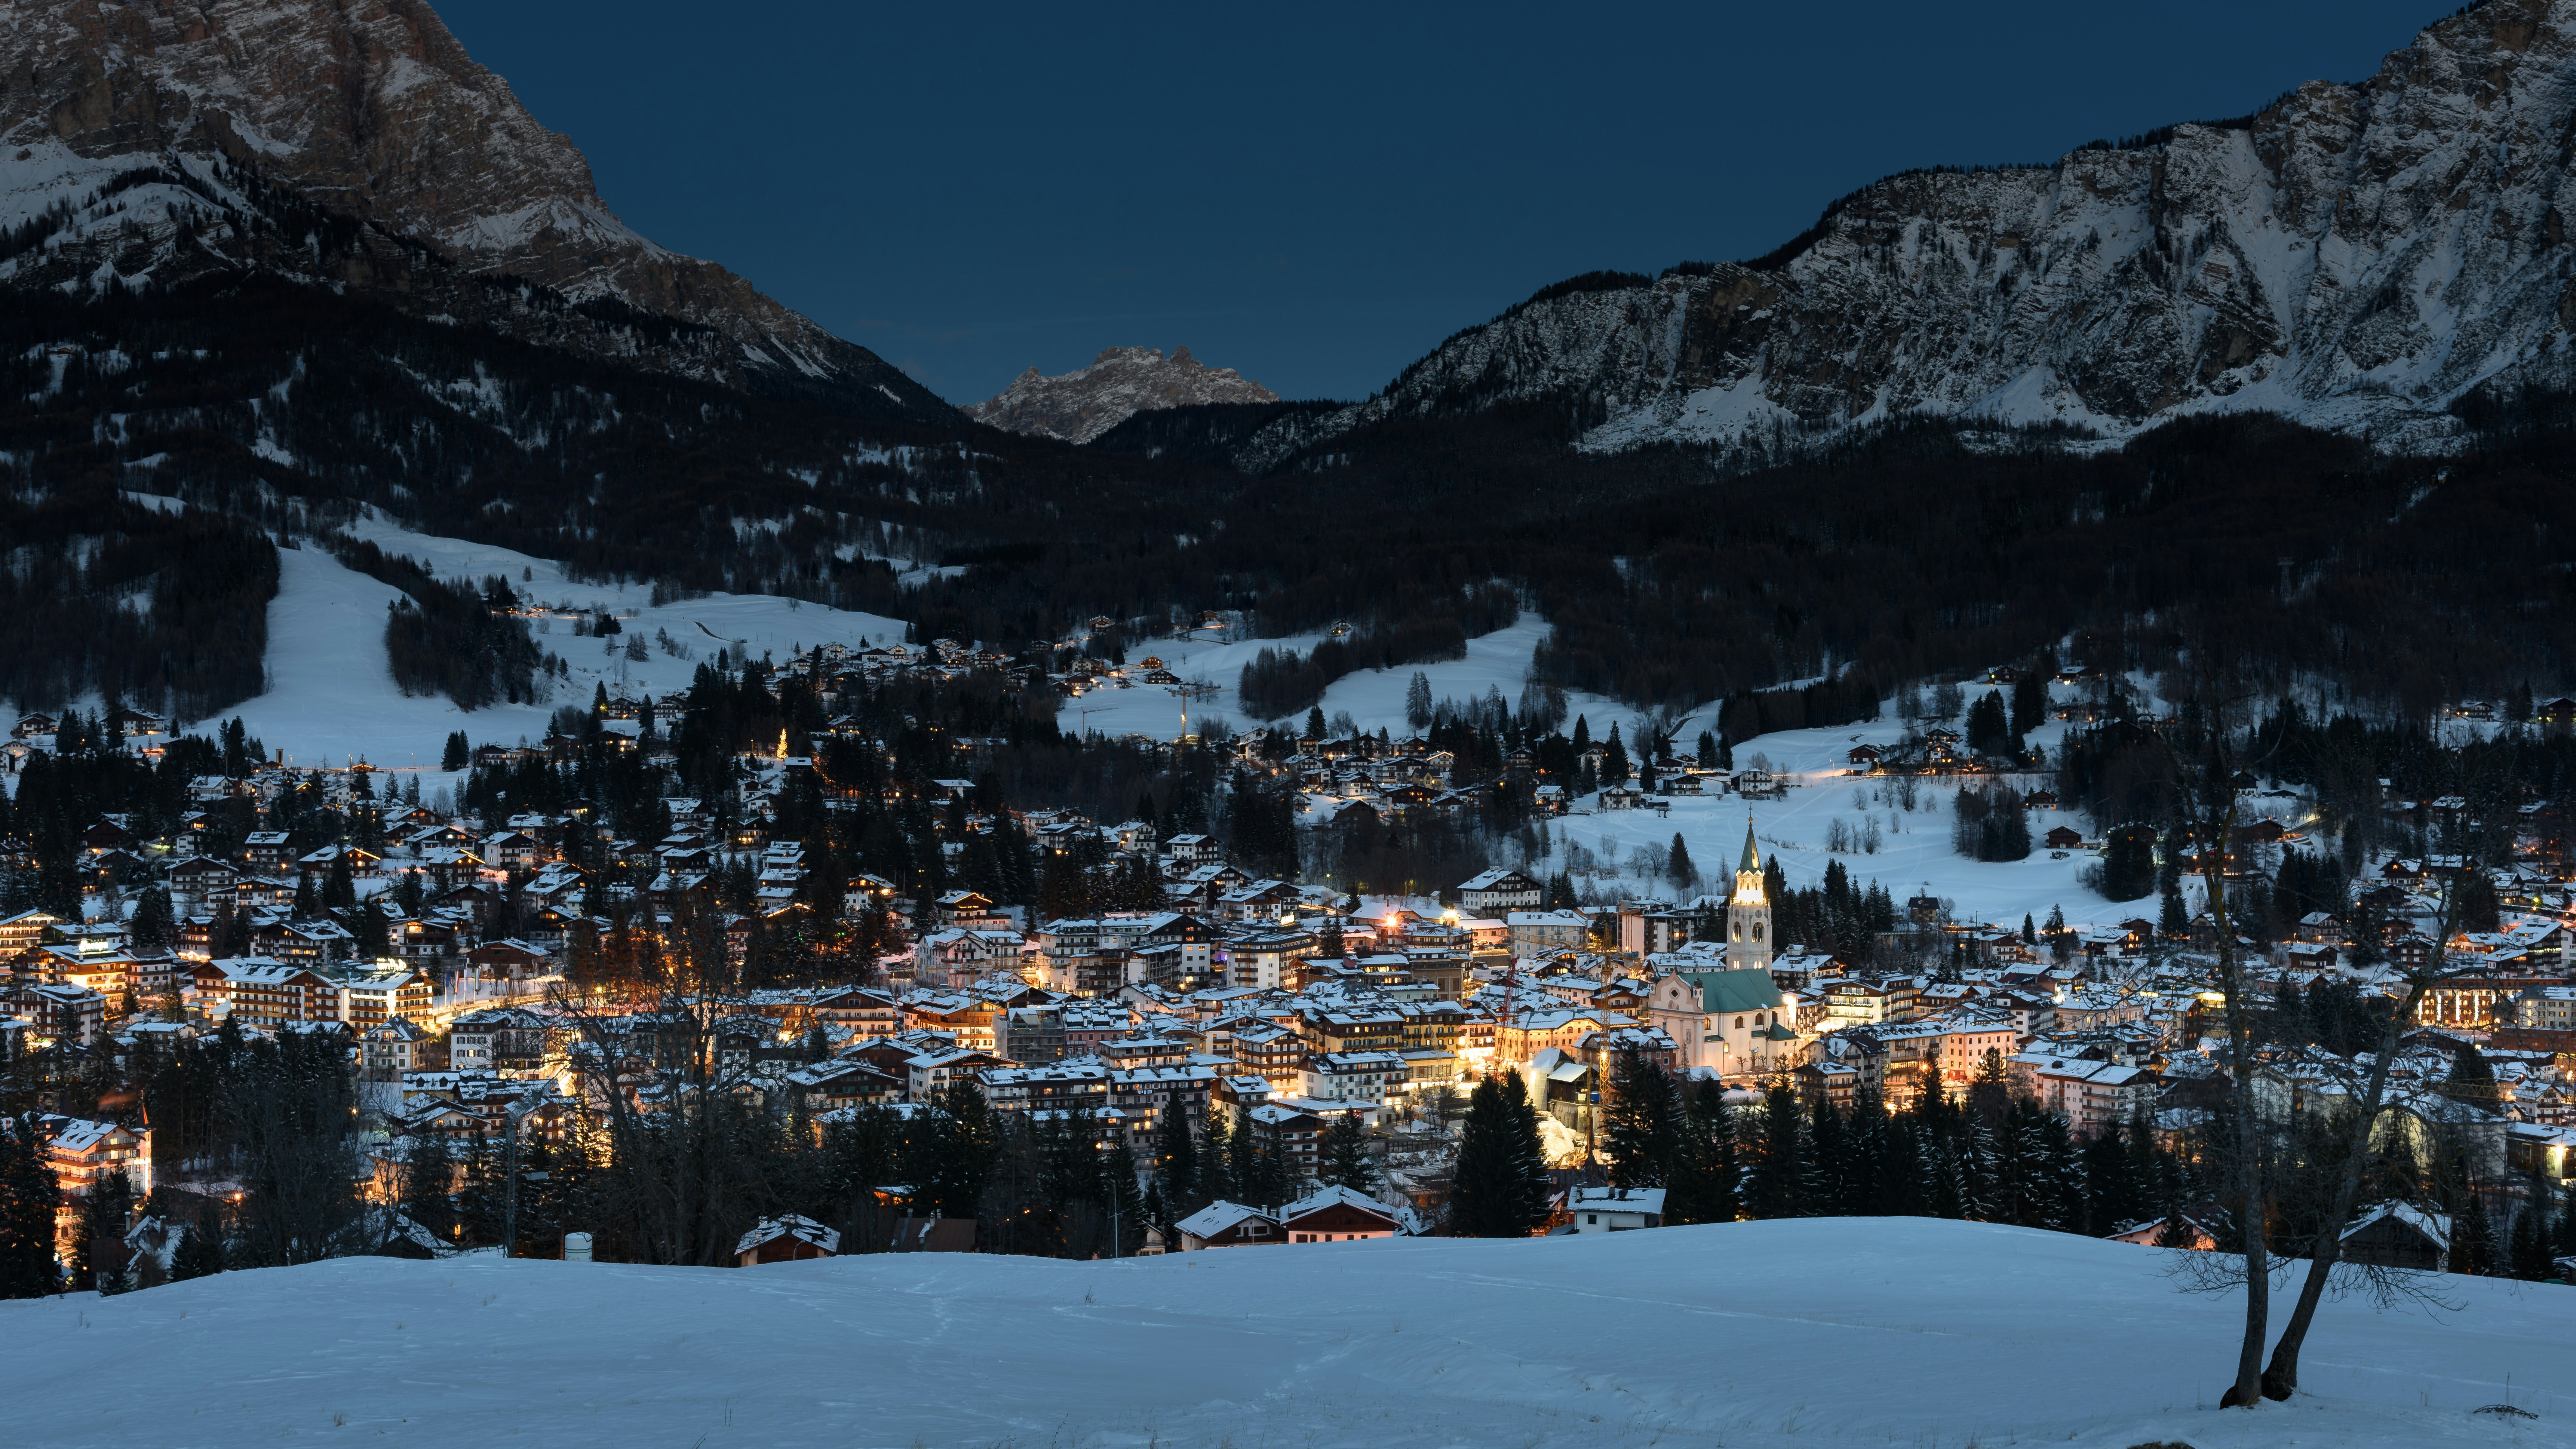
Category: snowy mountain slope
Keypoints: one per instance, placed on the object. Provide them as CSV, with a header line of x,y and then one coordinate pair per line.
x,y
151,143
1080,405
331,695
2355,256
1776,1335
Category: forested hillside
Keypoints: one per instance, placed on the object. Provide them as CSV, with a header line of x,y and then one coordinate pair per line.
x,y
1672,575
477,348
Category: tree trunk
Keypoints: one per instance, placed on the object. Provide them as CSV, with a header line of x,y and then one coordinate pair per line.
x,y
2281,1378
2248,1388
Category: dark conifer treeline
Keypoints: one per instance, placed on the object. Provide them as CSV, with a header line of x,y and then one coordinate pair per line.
x,y
1282,682
1991,1158
448,639
167,611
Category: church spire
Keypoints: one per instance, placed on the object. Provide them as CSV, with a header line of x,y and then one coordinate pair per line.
x,y
1749,887
1748,911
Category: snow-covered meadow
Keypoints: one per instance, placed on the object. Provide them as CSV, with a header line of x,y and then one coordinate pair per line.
x,y
331,695
1772,1335
1914,854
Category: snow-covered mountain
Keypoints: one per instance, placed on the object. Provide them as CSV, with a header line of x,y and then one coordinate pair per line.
x,y
149,144
2355,256
1080,405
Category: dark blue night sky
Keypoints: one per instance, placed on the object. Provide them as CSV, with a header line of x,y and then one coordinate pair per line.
x,y
1317,194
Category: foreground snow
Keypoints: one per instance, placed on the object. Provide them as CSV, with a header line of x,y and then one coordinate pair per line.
x,y
1820,1332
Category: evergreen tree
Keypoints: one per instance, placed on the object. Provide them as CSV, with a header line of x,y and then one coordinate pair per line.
x,y
98,1244
1328,942
1678,866
429,1184
2113,1196
1176,1159
2029,702
1945,1178
2172,921
2128,870
1488,1194
1642,1123
1822,1193
1989,731
339,891
964,1140
2473,1244
1989,1092
154,927
1125,1204
27,1198
1905,1186
2176,1233
481,1199
1780,1169
1209,1178
1707,1183
1864,1170
200,1252
1614,760
1344,1159
1976,1162
1529,1155
2472,1078
2527,1246
458,752
1260,1178
1417,701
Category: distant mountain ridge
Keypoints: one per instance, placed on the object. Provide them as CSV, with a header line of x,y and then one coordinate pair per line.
x,y
1080,405
145,144
2358,257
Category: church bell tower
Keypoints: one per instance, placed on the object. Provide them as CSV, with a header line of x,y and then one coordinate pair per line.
x,y
1748,912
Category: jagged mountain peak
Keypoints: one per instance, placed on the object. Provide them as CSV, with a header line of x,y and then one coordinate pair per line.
x,y
156,142
1080,405
2355,256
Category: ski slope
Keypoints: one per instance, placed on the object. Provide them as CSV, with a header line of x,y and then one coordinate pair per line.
x,y
1776,1335
331,696
1373,698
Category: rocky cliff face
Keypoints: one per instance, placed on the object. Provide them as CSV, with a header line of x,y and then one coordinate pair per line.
x,y
1122,381
2355,256
354,141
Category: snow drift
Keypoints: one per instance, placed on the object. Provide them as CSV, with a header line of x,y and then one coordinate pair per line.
x,y
1818,1332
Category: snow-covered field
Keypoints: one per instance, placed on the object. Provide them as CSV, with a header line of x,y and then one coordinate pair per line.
x,y
1373,698
332,698
1914,852
1753,1335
